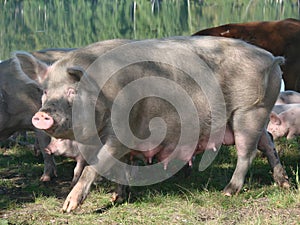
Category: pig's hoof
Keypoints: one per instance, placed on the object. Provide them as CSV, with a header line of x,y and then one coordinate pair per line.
x,y
74,199
70,204
286,185
280,177
45,178
117,198
114,197
231,189
227,194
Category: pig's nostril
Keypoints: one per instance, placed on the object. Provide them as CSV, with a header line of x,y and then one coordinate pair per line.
x,y
42,121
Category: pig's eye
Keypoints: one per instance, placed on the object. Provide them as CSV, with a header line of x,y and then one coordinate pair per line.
x,y
71,92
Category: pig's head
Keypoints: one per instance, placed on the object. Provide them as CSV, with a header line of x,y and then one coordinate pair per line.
x,y
55,115
60,89
276,126
60,82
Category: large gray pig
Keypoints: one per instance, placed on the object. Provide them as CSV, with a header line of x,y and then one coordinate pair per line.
x,y
20,99
232,87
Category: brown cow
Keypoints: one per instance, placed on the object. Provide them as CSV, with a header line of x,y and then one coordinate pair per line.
x,y
282,38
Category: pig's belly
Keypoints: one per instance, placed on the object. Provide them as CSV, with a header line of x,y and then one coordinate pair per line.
x,y
165,153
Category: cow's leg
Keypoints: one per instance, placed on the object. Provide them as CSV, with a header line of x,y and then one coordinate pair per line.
x,y
266,145
246,135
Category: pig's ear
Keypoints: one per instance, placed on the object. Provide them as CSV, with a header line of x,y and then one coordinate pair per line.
x,y
76,73
29,65
274,118
50,55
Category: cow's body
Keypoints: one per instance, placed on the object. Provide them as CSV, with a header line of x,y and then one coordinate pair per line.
x,y
282,38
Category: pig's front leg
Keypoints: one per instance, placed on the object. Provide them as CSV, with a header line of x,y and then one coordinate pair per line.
x,y
80,190
49,167
80,164
49,164
291,134
106,158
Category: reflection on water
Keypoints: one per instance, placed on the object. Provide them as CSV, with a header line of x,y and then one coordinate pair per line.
x,y
31,25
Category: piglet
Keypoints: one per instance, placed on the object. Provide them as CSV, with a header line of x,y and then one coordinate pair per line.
x,y
71,149
285,124
288,97
284,107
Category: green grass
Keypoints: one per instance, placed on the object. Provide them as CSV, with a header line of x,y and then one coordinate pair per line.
x,y
193,200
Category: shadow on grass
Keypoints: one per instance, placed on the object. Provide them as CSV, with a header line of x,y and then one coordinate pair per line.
x,y
20,171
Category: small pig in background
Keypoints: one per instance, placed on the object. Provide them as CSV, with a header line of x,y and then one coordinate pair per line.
x,y
284,118
288,97
71,149
284,107
286,123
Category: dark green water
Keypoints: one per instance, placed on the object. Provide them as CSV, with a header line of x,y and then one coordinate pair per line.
x,y
31,25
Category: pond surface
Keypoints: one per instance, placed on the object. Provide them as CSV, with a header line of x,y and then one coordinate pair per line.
x,y
33,25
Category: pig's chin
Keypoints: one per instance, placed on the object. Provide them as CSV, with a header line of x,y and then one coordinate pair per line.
x,y
85,136
58,132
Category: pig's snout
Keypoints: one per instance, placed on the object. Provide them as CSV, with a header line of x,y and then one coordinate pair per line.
x,y
42,120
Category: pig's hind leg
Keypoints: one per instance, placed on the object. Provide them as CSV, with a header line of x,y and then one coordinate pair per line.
x,y
266,145
246,136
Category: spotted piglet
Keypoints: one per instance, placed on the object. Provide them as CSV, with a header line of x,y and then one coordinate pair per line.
x,y
285,124
71,149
